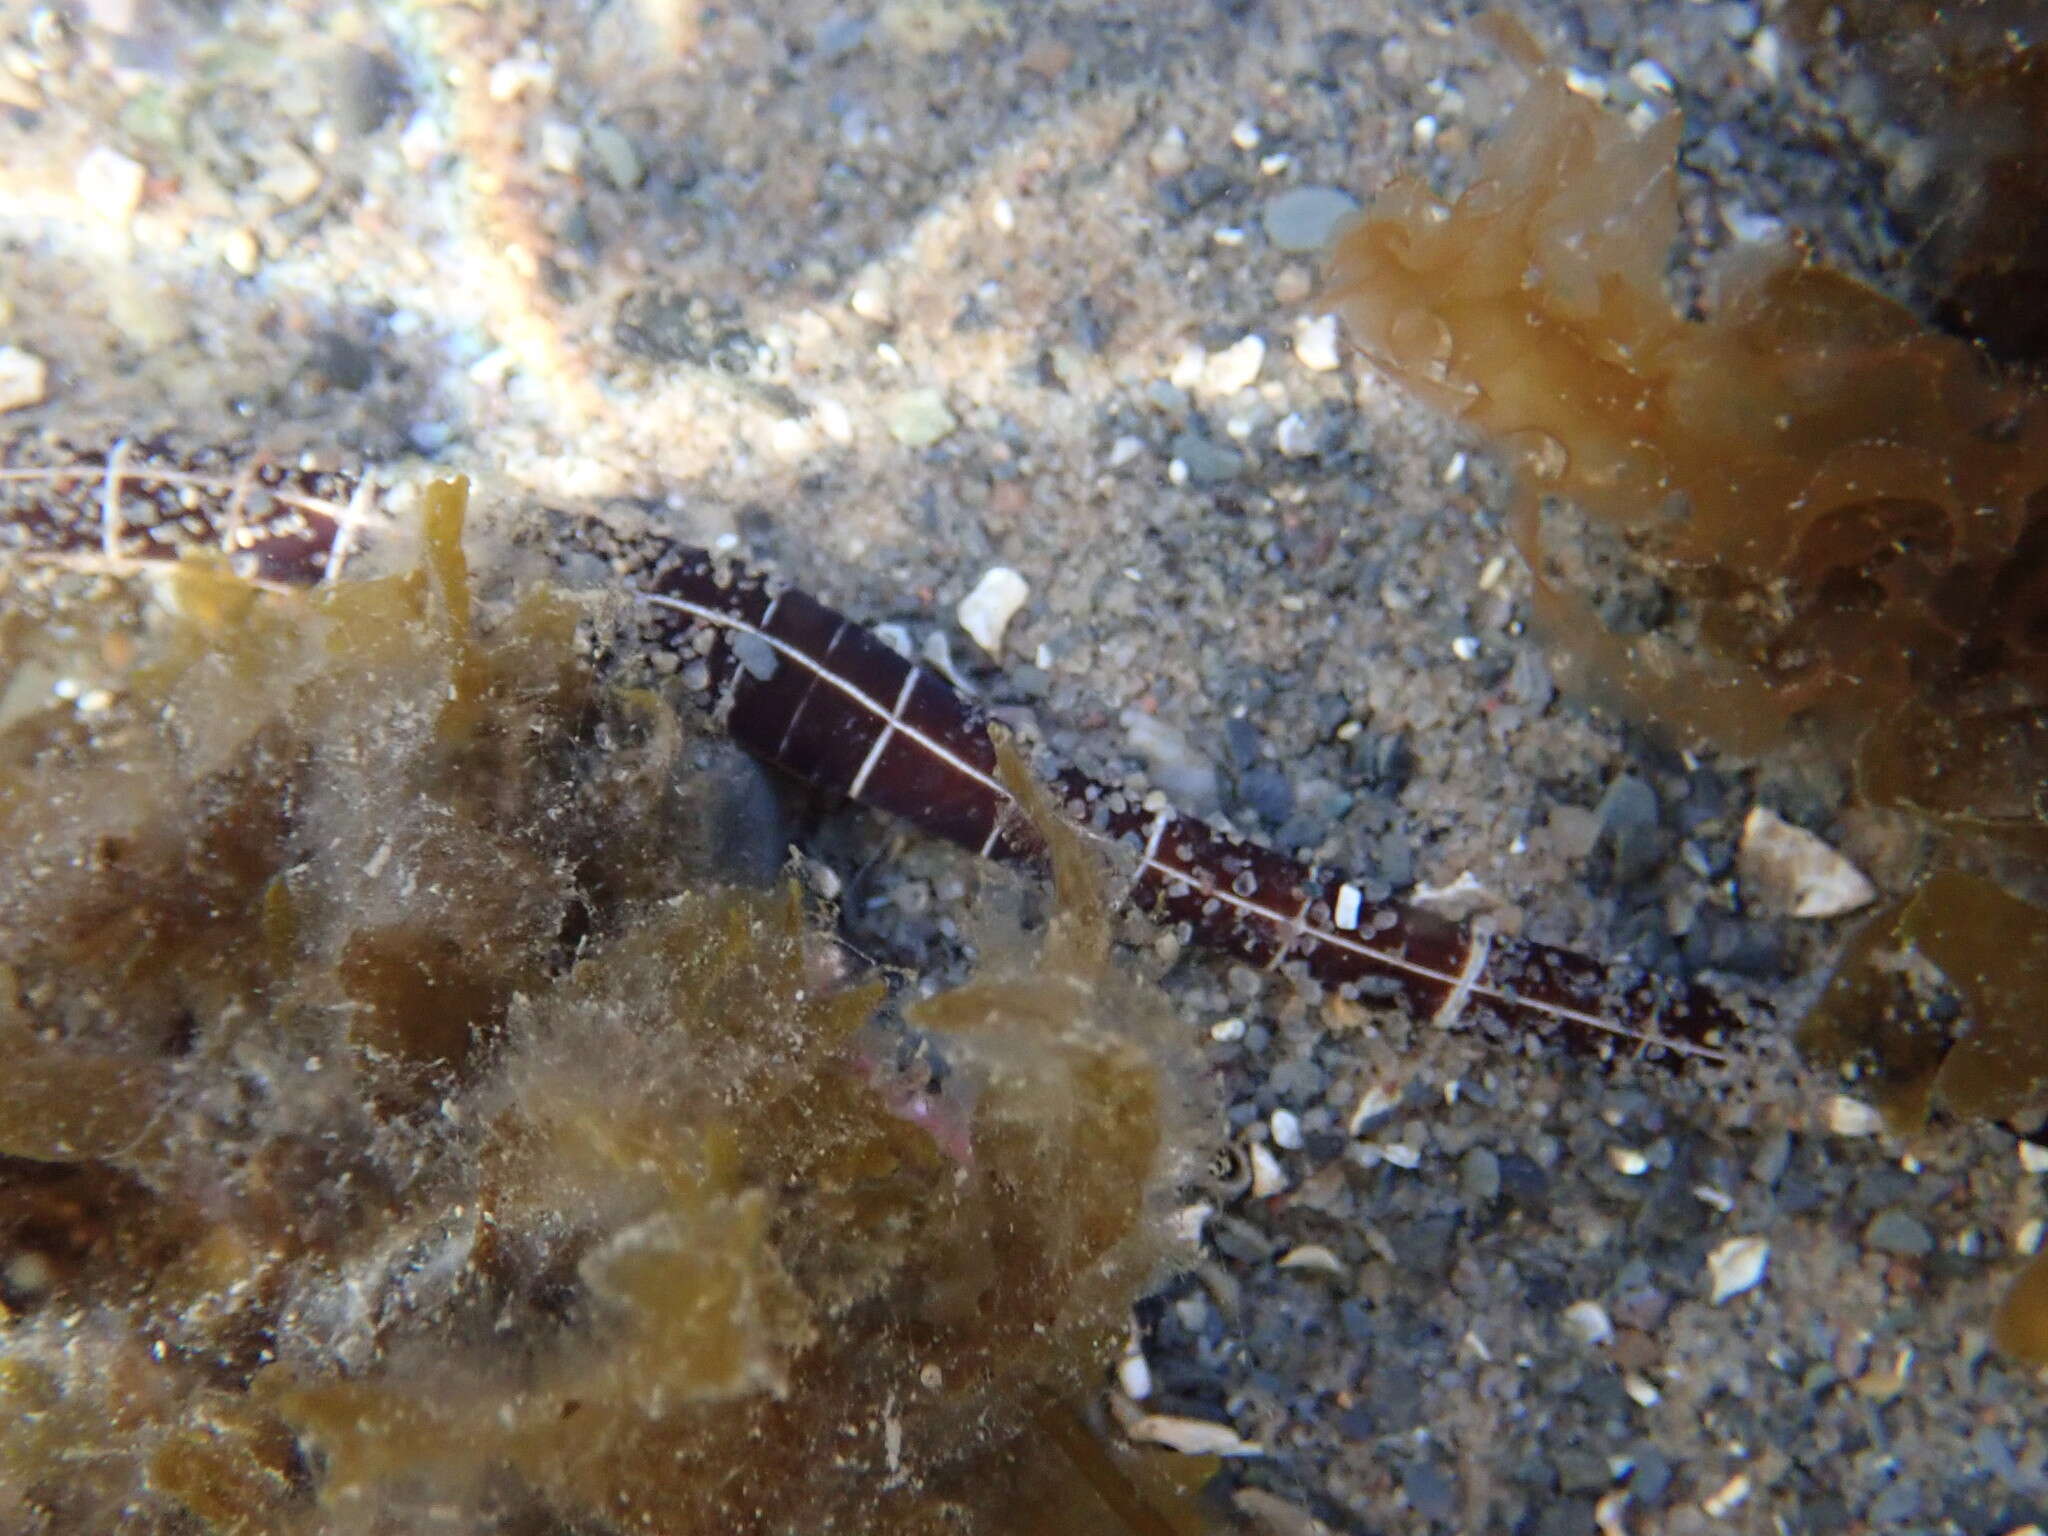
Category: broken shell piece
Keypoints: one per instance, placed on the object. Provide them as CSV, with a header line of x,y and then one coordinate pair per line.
x,y
1791,871
1191,1437
1133,1372
1312,1256
1461,900
986,611
1268,1177
1853,1117
1737,1265
1589,1322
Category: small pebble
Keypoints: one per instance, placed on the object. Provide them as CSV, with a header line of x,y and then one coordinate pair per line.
x,y
1286,1128
1479,1175
109,183
1294,437
1853,1117
1235,367
1202,462
1302,219
1170,157
1896,1232
1736,1266
919,418
986,611
1792,871
617,156
241,253
1191,1437
1589,1323
1315,344
24,379
1268,1177
1311,1256
1628,1162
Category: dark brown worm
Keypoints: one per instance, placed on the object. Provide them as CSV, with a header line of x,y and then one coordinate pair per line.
x,y
813,693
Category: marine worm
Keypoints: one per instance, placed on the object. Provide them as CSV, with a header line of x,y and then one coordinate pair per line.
x,y
811,692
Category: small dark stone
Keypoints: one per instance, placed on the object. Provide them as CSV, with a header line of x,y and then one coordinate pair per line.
x,y
1193,189
1581,1471
1899,1233
1267,791
1239,1239
367,90
1358,1422
341,363
1524,1183
1430,1493
1383,759
1240,743
1720,941
661,325
1650,1481
1629,830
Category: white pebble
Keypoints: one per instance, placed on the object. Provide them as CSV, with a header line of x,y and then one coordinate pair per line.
x,y
1401,1155
1311,1256
1125,449
2033,1157
24,379
1133,1374
871,304
1853,1117
1294,437
1191,1437
1465,647
1286,1128
986,611
1169,157
1003,215
1736,1266
241,253
1225,1030
1235,367
511,78
1650,77
1793,872
1377,1099
1725,1500
1245,134
1268,1177
1589,1323
1628,1162
1424,132
1315,344
1642,1390
109,183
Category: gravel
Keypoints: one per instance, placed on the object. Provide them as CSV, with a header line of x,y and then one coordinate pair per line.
x,y
756,317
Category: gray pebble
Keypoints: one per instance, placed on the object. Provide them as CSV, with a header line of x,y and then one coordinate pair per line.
x,y
1430,1493
1207,463
1651,1479
1239,1239
1895,1232
1581,1472
1268,793
840,35
1479,1175
1304,218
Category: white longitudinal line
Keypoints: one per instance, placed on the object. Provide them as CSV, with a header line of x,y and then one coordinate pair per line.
x,y
1300,928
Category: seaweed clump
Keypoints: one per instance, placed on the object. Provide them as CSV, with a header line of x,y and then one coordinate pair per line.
x,y
402,1121
1801,518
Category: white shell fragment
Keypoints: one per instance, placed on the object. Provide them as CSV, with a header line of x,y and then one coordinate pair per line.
x,y
1268,1177
1133,1373
1589,1323
1235,367
1736,1266
986,611
1311,1256
1191,1437
1853,1117
24,379
1791,871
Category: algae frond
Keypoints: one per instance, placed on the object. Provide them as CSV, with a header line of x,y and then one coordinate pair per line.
x,y
404,1120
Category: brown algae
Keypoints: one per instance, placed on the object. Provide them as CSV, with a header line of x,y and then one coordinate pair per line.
x,y
400,1115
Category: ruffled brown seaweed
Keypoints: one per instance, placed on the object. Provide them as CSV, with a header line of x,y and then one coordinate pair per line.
x,y
398,1118
1840,518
